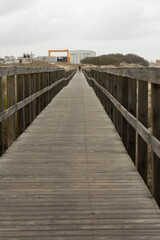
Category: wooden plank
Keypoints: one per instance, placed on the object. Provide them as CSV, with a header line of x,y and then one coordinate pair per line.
x,y
115,112
95,87
50,82
11,102
54,80
37,90
148,74
10,71
119,99
27,108
155,95
20,97
105,99
142,148
46,83
132,103
125,105
32,91
102,94
101,82
42,85
1,123
110,89
107,88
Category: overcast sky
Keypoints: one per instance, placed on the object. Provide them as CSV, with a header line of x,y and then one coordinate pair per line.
x,y
104,26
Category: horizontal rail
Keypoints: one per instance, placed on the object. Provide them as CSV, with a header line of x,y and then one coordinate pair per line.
x,y
149,74
139,127
9,71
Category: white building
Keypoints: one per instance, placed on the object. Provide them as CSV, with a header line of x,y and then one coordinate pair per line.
x,y
77,55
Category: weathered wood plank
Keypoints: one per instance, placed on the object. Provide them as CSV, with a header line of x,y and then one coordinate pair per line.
x,y
11,102
148,74
37,90
27,108
1,123
10,71
20,97
42,85
142,148
132,103
115,111
125,105
119,99
32,91
155,95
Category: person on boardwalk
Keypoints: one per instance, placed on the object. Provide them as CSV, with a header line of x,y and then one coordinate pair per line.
x,y
79,67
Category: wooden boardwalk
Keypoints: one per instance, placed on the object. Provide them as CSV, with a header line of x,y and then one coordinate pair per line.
x,y
68,177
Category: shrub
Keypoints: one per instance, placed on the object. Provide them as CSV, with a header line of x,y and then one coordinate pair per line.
x,y
115,59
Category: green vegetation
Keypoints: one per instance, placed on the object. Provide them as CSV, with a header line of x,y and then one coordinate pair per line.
x,y
115,59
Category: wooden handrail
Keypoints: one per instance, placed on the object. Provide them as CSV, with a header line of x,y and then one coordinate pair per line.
x,y
143,131
9,111
124,93
148,74
34,89
9,71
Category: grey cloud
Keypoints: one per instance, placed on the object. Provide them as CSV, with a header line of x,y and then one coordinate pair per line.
x,y
8,7
79,23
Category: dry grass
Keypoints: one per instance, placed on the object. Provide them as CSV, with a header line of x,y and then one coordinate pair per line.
x,y
64,65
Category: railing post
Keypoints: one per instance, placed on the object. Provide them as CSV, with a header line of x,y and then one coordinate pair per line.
x,y
37,89
27,94
100,92
11,102
45,85
107,88
155,94
32,82
125,105
1,123
55,89
97,91
119,99
114,79
132,103
20,97
102,84
50,82
111,92
41,87
142,149
105,99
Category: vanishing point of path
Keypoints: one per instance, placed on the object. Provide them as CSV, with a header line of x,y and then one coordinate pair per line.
x,y
68,177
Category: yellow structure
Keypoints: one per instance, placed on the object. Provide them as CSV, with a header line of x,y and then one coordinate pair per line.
x,y
67,51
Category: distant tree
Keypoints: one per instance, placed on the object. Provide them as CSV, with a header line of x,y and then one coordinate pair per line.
x,y
115,59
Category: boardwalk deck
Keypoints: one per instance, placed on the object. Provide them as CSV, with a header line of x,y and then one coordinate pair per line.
x,y
68,177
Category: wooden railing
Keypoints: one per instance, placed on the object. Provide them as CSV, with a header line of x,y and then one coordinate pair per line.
x,y
131,97
26,92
